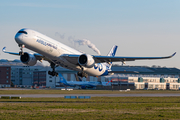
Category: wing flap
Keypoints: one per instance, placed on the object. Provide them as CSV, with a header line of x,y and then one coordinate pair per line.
x,y
72,58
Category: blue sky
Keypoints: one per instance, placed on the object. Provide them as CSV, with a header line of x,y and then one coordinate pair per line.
x,y
138,27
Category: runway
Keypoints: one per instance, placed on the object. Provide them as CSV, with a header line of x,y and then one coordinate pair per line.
x,y
92,95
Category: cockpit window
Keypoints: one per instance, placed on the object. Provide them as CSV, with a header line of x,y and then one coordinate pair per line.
x,y
22,32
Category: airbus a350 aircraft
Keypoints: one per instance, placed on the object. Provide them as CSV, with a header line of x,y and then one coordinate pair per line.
x,y
58,54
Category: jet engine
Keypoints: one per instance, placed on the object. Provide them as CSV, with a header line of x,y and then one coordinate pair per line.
x,y
28,59
86,60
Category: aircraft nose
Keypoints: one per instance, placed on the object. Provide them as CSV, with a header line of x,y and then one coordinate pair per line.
x,y
18,38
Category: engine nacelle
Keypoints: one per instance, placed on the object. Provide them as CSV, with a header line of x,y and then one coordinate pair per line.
x,y
28,59
86,60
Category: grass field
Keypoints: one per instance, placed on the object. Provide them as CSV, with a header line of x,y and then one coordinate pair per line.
x,y
89,109
95,108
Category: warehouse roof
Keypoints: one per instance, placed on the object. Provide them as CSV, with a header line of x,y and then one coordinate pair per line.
x,y
146,70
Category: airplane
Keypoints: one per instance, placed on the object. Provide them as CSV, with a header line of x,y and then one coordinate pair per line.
x,y
58,54
81,84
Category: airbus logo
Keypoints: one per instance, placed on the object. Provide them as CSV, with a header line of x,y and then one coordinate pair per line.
x,y
45,43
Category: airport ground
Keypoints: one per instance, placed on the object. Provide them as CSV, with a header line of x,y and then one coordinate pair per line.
x,y
142,107
82,91
108,108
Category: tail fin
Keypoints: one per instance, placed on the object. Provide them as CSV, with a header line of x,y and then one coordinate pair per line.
x,y
62,79
112,53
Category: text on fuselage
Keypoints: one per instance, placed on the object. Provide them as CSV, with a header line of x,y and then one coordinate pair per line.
x,y
45,43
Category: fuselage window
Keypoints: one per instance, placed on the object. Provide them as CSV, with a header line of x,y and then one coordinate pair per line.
x,y
22,32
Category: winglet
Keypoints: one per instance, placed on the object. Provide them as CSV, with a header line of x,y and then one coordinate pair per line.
x,y
12,53
4,49
173,54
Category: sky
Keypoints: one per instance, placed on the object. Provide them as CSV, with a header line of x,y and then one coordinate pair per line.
x,y
140,28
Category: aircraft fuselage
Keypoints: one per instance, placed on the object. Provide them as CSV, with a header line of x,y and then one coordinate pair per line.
x,y
54,51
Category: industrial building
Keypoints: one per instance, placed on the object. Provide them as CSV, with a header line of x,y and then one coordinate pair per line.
x,y
5,76
15,74
147,83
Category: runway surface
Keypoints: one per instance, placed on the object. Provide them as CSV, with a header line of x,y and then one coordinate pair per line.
x,y
92,95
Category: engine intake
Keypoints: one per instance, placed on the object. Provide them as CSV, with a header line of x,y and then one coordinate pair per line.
x,y
28,59
86,60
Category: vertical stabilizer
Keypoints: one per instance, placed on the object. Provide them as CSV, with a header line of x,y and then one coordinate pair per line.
x,y
112,53
113,50
62,79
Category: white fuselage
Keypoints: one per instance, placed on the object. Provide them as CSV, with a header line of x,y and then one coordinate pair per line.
x,y
54,51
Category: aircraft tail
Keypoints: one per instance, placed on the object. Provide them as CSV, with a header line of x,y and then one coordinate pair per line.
x,y
112,53
62,79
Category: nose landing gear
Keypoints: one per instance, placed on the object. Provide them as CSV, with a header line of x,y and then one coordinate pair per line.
x,y
21,49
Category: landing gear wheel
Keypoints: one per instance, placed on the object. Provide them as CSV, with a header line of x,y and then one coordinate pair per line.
x,y
82,74
53,72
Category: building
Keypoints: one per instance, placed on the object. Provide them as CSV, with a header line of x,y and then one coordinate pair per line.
x,y
41,78
137,77
5,76
144,71
145,78
22,76
145,83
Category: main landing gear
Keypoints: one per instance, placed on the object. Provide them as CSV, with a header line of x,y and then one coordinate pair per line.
x,y
53,72
82,74
21,49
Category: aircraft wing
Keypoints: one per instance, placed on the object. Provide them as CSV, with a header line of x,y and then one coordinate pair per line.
x,y
122,59
37,55
100,59
12,53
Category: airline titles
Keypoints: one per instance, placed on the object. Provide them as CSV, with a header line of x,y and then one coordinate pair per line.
x,y
45,43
